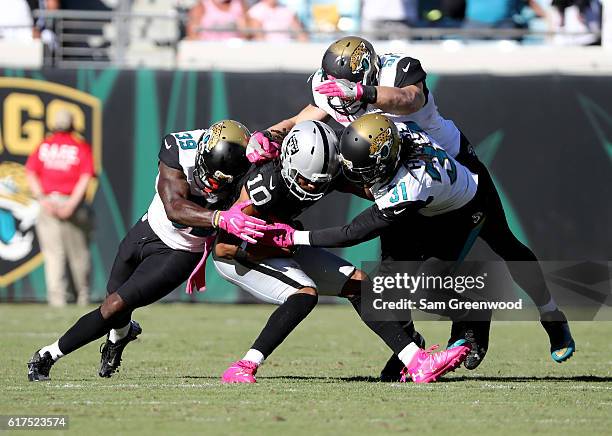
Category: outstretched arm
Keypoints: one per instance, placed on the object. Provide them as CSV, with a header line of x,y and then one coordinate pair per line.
x,y
401,101
398,100
368,225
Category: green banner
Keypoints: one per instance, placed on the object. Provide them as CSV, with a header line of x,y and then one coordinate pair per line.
x,y
546,139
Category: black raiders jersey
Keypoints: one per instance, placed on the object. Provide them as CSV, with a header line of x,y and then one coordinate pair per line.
x,y
178,151
270,195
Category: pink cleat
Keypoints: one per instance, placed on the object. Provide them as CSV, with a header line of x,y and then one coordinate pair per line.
x,y
242,371
428,367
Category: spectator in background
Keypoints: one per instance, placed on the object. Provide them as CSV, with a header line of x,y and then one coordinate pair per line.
x,y
382,18
43,27
58,173
279,22
229,16
498,14
577,22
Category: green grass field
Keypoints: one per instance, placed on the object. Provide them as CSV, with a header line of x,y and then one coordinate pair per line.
x,y
320,381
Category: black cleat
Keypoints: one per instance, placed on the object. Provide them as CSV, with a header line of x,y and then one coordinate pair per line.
x,y
475,333
391,373
562,345
111,352
39,367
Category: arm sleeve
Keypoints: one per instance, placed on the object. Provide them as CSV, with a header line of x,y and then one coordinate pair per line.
x,y
409,72
168,152
364,227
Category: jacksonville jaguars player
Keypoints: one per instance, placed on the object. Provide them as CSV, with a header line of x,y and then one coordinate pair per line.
x,y
280,191
199,171
415,185
352,81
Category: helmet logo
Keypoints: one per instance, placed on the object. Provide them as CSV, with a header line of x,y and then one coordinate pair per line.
x,y
381,145
292,145
360,59
212,136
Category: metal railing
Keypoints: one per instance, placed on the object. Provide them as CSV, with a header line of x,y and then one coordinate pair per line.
x,y
128,39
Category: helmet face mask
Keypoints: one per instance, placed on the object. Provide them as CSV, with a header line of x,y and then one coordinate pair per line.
x,y
221,157
309,160
300,185
345,107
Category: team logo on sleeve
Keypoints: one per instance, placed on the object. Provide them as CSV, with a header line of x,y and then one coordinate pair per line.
x,y
360,59
381,145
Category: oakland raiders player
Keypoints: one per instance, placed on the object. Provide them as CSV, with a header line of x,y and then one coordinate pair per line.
x,y
352,81
199,171
280,191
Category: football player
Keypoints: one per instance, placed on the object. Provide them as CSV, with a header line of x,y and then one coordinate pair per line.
x,y
415,184
199,171
352,81
280,191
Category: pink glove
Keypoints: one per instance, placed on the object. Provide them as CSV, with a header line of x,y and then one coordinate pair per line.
x,y
261,149
278,235
236,223
342,88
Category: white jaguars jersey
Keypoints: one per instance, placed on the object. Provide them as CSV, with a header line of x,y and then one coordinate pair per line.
x,y
433,187
178,151
399,70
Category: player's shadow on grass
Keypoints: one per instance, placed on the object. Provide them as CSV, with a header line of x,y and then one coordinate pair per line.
x,y
524,379
300,378
500,379
506,379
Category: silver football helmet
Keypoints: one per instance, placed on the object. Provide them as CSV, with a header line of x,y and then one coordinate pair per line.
x,y
309,159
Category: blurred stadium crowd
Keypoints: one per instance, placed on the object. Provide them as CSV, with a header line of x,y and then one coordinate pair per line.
x,y
89,24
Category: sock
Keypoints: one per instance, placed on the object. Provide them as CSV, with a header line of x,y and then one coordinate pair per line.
x,y
88,328
391,332
282,322
53,349
408,354
551,306
254,356
119,333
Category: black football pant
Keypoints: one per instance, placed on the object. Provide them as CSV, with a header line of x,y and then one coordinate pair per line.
x,y
145,270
